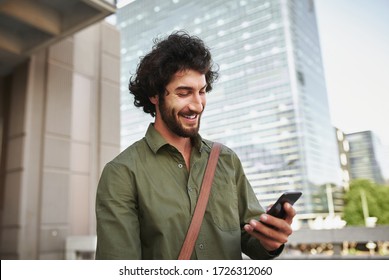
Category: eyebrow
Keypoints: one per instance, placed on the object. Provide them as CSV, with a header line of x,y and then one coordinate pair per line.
x,y
188,88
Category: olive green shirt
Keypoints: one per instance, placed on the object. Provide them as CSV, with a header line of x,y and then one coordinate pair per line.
x,y
146,198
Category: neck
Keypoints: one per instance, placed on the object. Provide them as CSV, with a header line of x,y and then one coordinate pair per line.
x,y
182,144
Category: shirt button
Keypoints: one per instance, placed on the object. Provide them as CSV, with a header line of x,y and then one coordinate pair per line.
x,y
201,246
180,165
190,189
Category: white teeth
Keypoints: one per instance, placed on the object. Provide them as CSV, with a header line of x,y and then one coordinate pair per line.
x,y
191,117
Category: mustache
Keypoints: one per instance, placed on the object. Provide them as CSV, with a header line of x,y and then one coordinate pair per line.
x,y
191,112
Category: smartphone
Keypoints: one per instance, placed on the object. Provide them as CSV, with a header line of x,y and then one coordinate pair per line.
x,y
277,210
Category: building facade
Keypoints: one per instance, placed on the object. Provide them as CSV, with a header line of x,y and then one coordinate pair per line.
x,y
269,105
367,157
59,126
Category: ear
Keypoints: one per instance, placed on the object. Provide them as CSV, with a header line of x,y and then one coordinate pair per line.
x,y
154,99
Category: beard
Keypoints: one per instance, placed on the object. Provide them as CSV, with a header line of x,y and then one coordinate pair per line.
x,y
173,123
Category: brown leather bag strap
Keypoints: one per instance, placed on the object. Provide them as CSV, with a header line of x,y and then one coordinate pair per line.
x,y
194,228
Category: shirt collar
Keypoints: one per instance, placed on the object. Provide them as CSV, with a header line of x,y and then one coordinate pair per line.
x,y
155,140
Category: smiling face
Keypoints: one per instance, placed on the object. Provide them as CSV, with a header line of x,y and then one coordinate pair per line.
x,y
179,112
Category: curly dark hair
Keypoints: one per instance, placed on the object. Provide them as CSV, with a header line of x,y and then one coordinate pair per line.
x,y
179,51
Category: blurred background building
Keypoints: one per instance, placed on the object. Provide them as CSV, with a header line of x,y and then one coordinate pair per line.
x,y
368,157
270,104
59,120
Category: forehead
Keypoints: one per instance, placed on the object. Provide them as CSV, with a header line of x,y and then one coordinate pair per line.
x,y
188,78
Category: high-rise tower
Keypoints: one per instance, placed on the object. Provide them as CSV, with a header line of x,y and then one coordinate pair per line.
x,y
367,157
270,104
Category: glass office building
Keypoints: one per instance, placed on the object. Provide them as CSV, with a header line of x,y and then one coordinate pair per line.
x,y
270,103
367,157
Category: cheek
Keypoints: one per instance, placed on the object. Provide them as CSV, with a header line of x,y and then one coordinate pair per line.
x,y
179,105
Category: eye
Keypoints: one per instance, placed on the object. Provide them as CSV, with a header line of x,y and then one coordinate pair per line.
x,y
183,93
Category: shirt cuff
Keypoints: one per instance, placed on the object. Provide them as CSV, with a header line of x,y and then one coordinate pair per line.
x,y
276,252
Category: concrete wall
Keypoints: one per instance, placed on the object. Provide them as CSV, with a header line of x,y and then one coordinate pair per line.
x,y
63,125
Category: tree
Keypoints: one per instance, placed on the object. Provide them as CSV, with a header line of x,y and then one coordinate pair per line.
x,y
383,204
377,201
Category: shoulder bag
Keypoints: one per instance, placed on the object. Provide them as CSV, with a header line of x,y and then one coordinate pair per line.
x,y
197,219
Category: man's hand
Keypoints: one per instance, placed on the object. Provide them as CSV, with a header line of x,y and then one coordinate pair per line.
x,y
272,232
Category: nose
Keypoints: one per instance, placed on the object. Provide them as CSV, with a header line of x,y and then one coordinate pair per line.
x,y
197,103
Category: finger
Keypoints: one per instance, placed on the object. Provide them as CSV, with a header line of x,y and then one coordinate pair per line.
x,y
250,229
267,226
275,228
290,213
267,240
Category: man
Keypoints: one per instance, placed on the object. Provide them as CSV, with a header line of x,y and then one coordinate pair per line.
x,y
147,195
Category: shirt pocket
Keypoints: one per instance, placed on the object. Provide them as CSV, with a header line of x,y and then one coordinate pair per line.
x,y
223,205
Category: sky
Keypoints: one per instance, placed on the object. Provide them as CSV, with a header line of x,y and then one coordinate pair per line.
x,y
354,36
